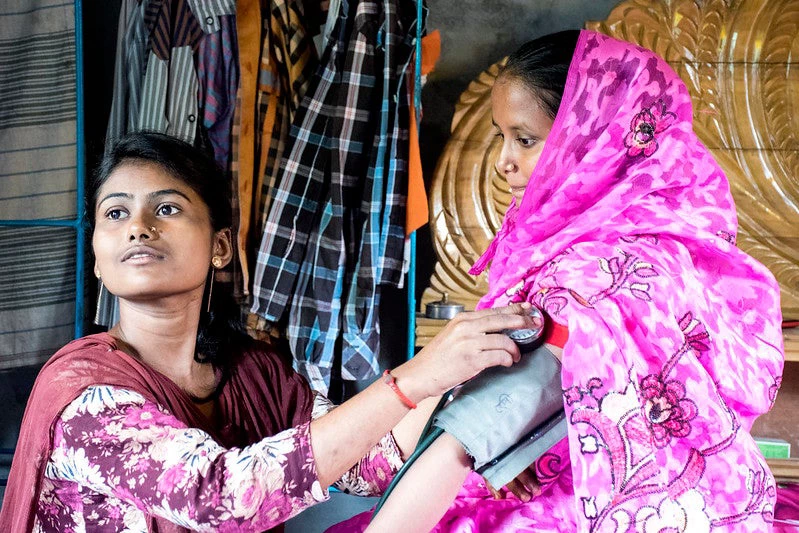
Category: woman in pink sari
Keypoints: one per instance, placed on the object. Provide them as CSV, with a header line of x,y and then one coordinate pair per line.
x,y
622,229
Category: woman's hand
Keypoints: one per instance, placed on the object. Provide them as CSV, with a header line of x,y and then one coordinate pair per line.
x,y
469,343
525,486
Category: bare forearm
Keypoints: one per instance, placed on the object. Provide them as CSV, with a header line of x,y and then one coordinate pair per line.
x,y
407,431
340,438
427,490
468,344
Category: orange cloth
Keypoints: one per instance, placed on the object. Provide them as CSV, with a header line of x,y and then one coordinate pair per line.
x,y
248,27
431,51
416,211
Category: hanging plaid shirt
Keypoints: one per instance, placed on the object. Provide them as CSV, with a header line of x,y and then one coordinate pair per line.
x,y
287,62
382,243
328,212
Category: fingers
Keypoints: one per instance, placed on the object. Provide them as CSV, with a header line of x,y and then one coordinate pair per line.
x,y
494,492
526,485
488,323
497,349
496,358
538,320
512,309
470,343
498,341
519,490
530,481
514,316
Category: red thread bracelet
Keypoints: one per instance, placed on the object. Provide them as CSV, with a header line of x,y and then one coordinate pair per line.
x,y
388,379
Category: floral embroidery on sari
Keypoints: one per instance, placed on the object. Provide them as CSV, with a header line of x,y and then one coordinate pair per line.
x,y
648,123
668,411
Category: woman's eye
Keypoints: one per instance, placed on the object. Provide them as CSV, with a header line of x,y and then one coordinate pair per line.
x,y
167,209
115,214
524,141
499,134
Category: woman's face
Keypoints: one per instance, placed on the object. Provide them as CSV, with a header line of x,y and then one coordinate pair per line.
x,y
523,126
153,235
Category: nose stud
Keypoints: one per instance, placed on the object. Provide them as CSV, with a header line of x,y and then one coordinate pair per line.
x,y
153,229
502,170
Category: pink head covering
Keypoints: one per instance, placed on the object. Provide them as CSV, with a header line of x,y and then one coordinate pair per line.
x,y
626,234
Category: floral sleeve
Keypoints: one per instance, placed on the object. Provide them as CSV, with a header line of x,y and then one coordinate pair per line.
x,y
374,472
119,445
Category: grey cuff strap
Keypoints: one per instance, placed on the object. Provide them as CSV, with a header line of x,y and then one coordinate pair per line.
x,y
506,418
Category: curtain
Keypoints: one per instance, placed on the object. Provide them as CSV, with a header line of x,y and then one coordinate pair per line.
x,y
37,178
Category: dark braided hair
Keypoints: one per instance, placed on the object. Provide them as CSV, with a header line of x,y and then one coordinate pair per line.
x,y
543,65
221,328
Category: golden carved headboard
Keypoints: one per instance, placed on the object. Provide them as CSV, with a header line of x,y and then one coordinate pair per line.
x,y
734,56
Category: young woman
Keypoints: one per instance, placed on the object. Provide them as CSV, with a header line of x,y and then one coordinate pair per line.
x,y
174,419
622,228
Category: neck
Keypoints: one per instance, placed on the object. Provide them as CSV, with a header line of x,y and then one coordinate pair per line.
x,y
162,333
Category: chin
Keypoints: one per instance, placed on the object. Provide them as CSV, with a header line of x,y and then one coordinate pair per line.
x,y
147,292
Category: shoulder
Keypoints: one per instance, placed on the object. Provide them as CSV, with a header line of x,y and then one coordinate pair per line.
x,y
98,342
631,273
90,360
267,356
83,353
90,365
263,372
97,398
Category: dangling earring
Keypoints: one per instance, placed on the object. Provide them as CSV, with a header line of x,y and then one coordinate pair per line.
x,y
216,262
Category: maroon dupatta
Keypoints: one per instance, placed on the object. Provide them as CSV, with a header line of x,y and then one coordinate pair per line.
x,y
261,396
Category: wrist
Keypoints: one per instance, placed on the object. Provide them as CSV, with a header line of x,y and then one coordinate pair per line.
x,y
391,383
406,381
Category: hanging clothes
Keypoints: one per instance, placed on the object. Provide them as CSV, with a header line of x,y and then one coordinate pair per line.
x,y
129,67
38,158
218,77
176,72
276,70
335,229
416,210
382,242
156,83
175,27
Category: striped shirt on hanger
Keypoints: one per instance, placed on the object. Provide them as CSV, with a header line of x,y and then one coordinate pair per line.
x,y
156,84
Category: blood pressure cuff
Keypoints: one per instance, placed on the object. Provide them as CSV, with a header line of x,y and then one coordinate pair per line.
x,y
506,418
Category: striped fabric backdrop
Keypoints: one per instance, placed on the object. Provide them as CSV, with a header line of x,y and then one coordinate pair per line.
x,y
37,178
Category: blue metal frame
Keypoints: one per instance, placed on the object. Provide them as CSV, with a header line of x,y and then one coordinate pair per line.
x,y
417,96
78,223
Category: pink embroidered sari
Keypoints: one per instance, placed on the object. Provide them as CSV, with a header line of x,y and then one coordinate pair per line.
x,y
626,235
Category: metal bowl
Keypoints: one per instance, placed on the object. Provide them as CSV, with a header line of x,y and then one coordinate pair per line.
x,y
443,309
